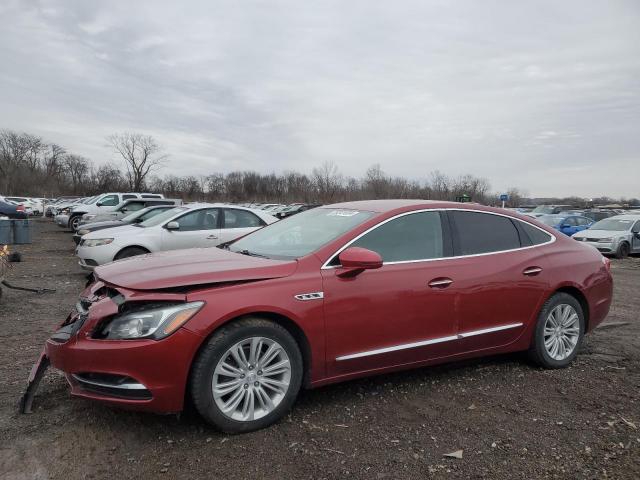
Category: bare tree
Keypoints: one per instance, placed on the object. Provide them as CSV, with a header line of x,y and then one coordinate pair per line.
x,y
76,168
327,180
141,155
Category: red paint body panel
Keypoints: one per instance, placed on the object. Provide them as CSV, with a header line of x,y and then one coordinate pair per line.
x,y
375,309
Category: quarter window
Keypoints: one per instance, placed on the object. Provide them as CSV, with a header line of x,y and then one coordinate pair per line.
x,y
483,233
417,236
240,219
536,236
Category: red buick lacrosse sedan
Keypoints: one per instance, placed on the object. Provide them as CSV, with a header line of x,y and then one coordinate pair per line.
x,y
334,293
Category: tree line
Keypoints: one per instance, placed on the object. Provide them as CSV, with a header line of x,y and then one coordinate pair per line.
x,y
31,166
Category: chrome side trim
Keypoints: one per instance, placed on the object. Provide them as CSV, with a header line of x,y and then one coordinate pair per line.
x,y
326,266
397,347
473,333
424,343
309,296
122,386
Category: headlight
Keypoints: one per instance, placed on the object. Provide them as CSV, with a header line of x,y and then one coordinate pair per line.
x,y
82,232
605,240
96,242
155,323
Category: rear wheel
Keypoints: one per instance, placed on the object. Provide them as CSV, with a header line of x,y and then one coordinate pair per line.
x,y
623,250
130,252
559,332
247,376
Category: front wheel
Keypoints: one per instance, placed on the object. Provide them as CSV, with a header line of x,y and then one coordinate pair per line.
x,y
623,250
559,332
247,376
74,222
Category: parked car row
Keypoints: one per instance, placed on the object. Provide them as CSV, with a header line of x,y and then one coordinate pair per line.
x,y
31,206
280,210
113,226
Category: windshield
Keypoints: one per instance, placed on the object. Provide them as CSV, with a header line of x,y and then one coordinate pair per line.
x,y
300,234
551,220
542,209
617,225
158,219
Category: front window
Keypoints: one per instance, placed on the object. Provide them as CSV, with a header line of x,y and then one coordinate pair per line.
x,y
613,224
163,217
301,234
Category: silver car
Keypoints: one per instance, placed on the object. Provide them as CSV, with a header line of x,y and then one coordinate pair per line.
x,y
619,235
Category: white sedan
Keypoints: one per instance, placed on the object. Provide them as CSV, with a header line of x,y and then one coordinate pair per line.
x,y
189,226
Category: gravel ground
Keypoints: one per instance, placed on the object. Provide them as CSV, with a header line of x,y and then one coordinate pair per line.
x,y
511,420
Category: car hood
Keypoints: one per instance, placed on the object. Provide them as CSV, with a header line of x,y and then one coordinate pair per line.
x,y
123,229
101,225
600,233
196,266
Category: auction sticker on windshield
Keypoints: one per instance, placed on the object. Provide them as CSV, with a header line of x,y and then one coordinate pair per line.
x,y
342,213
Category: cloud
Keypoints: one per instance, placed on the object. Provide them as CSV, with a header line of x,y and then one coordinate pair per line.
x,y
543,96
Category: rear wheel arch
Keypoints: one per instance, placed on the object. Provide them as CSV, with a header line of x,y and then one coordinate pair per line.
x,y
580,297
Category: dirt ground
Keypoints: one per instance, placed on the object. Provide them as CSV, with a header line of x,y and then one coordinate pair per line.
x,y
510,419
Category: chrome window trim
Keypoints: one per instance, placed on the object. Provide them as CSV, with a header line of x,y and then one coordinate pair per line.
x,y
432,341
326,266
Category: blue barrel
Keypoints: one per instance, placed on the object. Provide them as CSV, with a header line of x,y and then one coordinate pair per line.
x,y
21,232
6,232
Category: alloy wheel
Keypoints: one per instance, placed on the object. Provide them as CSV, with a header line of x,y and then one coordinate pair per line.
x,y
251,379
561,332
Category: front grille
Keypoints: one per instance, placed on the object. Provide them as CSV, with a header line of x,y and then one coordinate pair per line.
x,y
112,385
594,240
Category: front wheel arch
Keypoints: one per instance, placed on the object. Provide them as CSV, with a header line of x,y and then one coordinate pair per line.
x,y
137,247
287,323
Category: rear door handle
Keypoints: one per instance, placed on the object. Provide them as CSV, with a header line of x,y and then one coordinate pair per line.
x,y
532,271
441,282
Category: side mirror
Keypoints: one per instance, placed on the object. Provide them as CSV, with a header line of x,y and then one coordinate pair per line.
x,y
138,220
355,260
99,204
172,226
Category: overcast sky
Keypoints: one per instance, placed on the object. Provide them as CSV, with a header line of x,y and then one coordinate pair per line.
x,y
544,95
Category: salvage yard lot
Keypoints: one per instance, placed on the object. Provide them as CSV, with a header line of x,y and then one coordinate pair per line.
x,y
510,419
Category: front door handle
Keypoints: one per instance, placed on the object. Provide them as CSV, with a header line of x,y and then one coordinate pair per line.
x,y
212,237
532,271
441,282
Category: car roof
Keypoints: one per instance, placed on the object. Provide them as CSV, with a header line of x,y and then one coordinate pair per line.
x,y
382,206
628,216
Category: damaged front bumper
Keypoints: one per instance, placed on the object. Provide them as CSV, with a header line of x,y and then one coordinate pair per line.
x,y
142,374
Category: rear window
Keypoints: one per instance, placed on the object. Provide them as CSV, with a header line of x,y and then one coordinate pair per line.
x,y
478,232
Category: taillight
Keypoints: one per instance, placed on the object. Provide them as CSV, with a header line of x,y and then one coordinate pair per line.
x,y
20,208
607,263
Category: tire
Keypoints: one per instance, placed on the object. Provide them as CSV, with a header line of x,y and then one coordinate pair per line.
x,y
130,252
74,222
623,250
572,335
207,367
